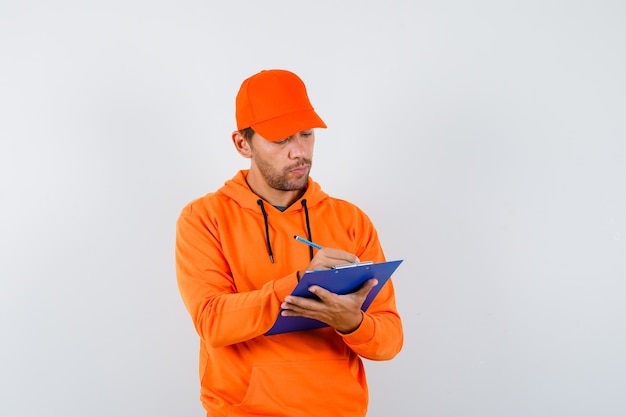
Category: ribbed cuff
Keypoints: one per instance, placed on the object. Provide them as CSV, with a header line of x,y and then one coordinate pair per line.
x,y
363,334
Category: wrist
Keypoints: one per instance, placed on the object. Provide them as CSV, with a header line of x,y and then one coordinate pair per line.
x,y
353,327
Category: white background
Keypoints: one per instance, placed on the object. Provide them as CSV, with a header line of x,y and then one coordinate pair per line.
x,y
486,140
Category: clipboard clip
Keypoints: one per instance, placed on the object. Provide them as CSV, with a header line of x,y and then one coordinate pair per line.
x,y
353,265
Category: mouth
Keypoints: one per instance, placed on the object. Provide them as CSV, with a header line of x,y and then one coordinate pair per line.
x,y
300,170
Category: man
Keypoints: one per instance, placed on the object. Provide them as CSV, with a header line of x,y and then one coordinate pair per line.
x,y
237,263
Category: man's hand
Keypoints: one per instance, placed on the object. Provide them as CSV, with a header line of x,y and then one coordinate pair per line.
x,y
343,312
326,258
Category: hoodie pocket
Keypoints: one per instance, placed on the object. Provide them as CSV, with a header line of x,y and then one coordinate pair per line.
x,y
320,388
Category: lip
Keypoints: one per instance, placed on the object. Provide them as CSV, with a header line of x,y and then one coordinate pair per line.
x,y
302,169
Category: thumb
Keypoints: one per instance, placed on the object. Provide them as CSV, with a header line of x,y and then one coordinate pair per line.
x,y
367,287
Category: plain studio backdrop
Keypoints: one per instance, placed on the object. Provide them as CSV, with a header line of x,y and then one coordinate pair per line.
x,y
485,139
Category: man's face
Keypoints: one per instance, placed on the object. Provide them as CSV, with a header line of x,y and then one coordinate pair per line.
x,y
284,165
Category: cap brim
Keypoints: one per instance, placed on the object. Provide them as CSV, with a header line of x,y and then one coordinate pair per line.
x,y
282,127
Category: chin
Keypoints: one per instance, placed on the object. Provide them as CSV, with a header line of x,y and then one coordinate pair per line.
x,y
296,185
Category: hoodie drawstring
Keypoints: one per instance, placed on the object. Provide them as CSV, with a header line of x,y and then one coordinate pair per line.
x,y
308,225
267,229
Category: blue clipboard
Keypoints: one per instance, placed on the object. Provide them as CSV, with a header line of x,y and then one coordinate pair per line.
x,y
344,280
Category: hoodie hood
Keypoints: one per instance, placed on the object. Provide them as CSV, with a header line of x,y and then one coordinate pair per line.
x,y
238,190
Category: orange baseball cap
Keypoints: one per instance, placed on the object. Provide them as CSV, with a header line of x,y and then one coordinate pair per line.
x,y
275,104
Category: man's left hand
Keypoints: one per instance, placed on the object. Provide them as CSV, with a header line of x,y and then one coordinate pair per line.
x,y
343,312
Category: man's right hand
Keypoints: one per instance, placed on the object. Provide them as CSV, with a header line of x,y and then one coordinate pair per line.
x,y
326,258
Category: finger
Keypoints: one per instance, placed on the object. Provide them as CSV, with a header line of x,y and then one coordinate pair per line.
x,y
302,310
339,256
299,303
290,312
322,293
290,309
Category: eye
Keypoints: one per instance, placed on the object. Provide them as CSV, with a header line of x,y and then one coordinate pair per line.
x,y
282,142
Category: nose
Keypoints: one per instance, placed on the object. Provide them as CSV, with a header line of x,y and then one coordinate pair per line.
x,y
298,147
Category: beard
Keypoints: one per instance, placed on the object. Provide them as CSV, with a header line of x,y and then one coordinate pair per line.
x,y
283,179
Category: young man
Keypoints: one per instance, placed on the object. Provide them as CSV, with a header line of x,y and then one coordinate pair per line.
x,y
237,263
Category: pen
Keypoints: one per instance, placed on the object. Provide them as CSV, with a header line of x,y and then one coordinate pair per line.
x,y
308,242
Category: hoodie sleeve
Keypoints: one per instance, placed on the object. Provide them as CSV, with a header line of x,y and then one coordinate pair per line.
x,y
220,314
380,335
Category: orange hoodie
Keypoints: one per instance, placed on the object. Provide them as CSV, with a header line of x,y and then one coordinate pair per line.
x,y
233,292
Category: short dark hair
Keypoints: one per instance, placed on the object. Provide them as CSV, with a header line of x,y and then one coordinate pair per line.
x,y
247,133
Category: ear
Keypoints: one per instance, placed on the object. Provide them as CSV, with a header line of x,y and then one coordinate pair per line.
x,y
241,144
